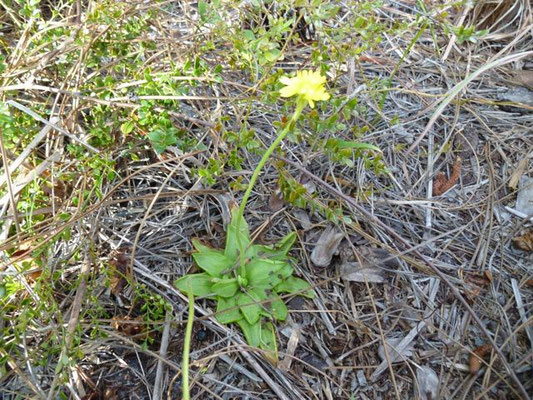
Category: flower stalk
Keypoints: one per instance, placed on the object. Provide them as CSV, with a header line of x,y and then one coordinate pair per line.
x,y
309,87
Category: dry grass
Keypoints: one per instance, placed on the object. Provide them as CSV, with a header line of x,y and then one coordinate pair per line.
x,y
460,283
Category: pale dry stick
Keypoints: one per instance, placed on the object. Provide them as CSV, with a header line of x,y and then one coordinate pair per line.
x,y
526,30
457,294
46,122
521,309
429,171
22,181
436,155
30,368
399,349
29,148
169,363
158,383
483,394
238,367
74,315
459,348
12,13
17,52
10,191
460,87
167,97
482,248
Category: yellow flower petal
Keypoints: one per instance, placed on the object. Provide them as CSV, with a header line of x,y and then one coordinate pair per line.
x,y
309,85
287,91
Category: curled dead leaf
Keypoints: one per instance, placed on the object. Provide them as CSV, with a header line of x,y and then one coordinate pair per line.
x,y
326,247
524,241
441,184
362,263
481,280
517,173
354,272
476,357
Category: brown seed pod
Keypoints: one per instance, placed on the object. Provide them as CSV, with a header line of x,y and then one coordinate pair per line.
x,y
476,357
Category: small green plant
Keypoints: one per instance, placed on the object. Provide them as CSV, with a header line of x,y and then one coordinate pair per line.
x,y
468,33
248,296
245,279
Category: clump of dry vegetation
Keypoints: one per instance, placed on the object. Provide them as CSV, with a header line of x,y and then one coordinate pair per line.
x,y
130,128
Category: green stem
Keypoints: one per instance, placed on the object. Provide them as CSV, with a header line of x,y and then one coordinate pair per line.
x,y
265,158
187,344
300,104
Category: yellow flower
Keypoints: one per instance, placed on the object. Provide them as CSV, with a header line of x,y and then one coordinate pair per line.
x,y
309,85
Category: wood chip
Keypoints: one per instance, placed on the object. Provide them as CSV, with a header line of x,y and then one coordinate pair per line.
x,y
524,241
399,349
441,184
395,352
355,272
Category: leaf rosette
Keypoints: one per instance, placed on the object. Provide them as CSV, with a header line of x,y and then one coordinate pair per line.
x,y
249,296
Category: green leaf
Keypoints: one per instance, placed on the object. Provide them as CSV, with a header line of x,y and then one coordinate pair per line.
x,y
225,287
200,284
233,313
162,138
268,342
252,332
232,236
279,310
202,10
272,55
212,261
285,244
280,250
286,271
249,307
347,144
295,285
127,127
264,272
248,34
